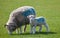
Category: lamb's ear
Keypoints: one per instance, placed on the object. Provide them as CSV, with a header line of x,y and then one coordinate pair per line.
x,y
27,16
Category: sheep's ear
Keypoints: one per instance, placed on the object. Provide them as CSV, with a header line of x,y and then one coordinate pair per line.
x,y
5,25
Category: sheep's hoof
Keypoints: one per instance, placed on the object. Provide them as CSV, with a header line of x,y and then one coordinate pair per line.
x,y
20,33
10,33
48,31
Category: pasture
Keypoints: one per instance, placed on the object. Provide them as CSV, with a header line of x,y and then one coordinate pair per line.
x,y
50,9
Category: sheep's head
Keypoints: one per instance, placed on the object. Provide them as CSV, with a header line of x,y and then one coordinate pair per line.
x,y
10,28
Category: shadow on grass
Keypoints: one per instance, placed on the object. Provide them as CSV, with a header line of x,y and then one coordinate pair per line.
x,y
37,33
46,33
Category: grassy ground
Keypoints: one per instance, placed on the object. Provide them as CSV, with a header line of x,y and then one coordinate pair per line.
x,y
47,8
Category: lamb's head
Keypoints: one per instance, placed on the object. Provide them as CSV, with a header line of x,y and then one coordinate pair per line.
x,y
10,28
31,18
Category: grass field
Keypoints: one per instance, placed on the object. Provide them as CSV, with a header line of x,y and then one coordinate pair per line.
x,y
47,8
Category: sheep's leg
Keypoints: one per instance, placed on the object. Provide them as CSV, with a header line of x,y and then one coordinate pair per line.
x,y
25,28
17,31
47,28
20,30
9,32
40,28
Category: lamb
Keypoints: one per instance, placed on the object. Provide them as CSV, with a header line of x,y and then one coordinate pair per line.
x,y
38,21
18,18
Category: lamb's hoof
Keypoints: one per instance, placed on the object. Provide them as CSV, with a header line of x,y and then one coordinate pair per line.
x,y
32,33
48,31
40,31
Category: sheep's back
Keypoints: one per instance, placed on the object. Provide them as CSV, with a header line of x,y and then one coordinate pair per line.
x,y
20,14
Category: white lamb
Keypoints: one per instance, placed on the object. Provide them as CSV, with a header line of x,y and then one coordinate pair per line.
x,y
38,21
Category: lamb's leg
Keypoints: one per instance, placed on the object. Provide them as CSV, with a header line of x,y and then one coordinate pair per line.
x,y
31,29
40,28
47,28
34,30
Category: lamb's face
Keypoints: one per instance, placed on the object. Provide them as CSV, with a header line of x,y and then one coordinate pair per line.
x,y
31,16
10,28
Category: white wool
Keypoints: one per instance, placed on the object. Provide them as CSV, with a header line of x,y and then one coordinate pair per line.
x,y
37,21
16,12
21,9
10,20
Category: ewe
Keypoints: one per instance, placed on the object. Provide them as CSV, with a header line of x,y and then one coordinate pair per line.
x,y
18,17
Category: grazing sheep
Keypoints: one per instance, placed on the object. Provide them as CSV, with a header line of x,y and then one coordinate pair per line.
x,y
18,17
38,21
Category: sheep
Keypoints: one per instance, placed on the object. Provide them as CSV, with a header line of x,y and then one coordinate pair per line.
x,y
18,18
38,21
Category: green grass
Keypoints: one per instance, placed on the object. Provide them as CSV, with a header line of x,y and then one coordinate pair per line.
x,y
47,8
